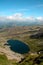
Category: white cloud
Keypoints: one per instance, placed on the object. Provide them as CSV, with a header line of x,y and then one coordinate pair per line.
x,y
40,18
31,18
16,16
20,17
40,5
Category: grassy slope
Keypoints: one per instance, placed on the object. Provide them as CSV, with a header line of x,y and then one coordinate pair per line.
x,y
33,44
3,60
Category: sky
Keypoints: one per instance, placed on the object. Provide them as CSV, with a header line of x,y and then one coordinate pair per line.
x,y
21,9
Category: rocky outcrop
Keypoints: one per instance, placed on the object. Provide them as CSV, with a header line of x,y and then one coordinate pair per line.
x,y
39,34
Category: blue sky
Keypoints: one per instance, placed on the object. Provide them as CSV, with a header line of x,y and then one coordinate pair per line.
x,y
27,7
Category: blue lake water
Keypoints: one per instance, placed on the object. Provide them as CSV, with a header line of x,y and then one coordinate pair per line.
x,y
18,46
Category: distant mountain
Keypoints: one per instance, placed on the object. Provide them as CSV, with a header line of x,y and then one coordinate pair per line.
x,y
17,23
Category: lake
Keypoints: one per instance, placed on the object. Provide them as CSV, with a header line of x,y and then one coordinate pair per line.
x,y
18,46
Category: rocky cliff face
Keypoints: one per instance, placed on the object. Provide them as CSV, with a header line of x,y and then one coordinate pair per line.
x,y
39,34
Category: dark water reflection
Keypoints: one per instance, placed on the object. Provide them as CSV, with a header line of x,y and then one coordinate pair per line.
x,y
18,46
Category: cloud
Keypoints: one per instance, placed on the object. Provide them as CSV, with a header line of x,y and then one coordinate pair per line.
x,y
20,17
15,17
17,10
26,9
35,6
40,5
40,18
